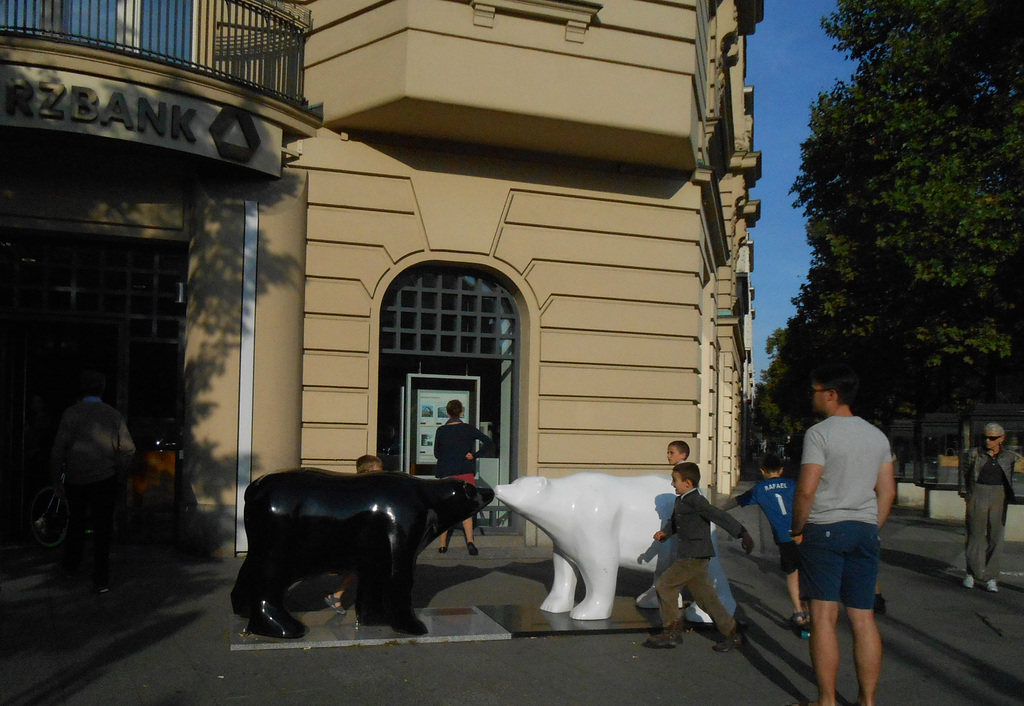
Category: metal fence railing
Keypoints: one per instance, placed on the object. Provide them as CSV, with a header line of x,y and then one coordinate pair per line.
x,y
256,43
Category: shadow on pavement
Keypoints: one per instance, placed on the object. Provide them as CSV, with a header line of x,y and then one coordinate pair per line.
x,y
68,636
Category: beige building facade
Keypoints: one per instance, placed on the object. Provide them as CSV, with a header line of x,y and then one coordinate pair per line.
x,y
541,207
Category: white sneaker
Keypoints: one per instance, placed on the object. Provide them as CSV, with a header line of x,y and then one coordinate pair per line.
x,y
968,581
991,586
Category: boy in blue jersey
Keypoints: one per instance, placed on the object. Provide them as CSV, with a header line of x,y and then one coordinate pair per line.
x,y
774,495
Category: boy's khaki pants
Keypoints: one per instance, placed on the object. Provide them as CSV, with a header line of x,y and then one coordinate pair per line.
x,y
691,574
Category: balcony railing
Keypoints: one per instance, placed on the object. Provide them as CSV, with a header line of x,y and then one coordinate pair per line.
x,y
256,43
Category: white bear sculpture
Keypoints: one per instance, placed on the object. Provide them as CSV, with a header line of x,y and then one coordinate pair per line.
x,y
599,522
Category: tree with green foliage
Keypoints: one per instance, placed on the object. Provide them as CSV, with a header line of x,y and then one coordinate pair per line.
x,y
913,183
773,419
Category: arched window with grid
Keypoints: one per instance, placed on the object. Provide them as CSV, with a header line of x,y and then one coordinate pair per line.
x,y
449,313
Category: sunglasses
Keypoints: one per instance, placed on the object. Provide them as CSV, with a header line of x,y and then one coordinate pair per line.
x,y
993,438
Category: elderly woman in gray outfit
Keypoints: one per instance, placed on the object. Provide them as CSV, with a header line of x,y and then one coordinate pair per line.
x,y
986,483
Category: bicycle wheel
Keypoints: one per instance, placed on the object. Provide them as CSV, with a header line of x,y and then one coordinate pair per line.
x,y
48,517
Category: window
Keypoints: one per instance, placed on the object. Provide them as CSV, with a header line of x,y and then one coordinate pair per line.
x,y
449,314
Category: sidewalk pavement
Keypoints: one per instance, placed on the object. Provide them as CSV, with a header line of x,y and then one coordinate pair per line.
x,y
162,636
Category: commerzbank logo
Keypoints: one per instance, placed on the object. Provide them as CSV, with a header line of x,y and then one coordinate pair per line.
x,y
234,135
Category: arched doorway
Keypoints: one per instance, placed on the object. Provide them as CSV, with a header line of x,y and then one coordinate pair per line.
x,y
448,332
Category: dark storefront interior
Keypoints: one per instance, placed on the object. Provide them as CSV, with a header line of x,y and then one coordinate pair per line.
x,y
69,304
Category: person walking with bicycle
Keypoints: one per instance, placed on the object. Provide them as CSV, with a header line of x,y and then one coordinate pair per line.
x,y
91,451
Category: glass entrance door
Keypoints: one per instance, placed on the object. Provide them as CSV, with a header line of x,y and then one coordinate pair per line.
x,y
71,303
40,362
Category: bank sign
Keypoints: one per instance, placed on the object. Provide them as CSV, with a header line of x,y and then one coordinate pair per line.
x,y
78,103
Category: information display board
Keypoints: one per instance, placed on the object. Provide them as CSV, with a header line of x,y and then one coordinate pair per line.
x,y
432,406
427,398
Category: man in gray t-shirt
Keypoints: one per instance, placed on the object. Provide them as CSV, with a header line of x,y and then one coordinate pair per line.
x,y
844,494
850,452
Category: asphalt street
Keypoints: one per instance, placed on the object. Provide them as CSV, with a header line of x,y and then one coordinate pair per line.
x,y
162,636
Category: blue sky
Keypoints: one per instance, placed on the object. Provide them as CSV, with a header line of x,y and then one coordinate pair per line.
x,y
790,61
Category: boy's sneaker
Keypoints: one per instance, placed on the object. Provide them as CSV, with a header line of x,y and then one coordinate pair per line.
x,y
991,586
669,637
968,581
731,641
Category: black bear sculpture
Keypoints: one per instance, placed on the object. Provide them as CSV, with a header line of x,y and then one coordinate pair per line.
x,y
306,522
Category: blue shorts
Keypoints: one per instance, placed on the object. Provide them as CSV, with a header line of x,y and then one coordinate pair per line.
x,y
839,563
789,555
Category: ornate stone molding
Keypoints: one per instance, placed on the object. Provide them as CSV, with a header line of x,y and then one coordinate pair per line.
x,y
747,164
751,212
576,14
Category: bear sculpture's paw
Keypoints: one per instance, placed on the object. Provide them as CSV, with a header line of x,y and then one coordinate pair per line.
x,y
274,621
412,626
557,604
592,610
648,599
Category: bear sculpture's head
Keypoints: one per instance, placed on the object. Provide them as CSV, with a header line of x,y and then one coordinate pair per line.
x,y
458,500
523,494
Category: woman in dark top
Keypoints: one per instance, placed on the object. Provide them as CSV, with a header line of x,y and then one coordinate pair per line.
x,y
453,449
